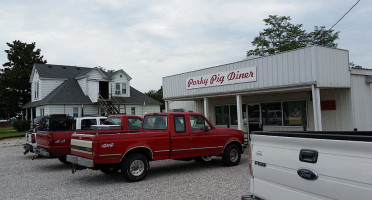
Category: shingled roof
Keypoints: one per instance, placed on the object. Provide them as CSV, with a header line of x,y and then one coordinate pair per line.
x,y
61,71
137,97
69,92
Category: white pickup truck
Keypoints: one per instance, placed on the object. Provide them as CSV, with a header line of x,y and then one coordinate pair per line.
x,y
310,165
79,123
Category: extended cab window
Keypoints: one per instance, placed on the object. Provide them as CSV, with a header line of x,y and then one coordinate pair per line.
x,y
179,124
198,123
134,123
155,122
113,121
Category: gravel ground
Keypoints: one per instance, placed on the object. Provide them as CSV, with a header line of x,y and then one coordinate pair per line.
x,y
23,178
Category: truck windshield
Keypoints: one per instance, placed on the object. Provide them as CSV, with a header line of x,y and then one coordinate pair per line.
x,y
155,122
113,121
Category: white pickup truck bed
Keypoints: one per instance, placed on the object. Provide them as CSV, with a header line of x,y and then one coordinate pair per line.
x,y
311,165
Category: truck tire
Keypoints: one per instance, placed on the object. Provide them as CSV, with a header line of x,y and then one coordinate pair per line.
x,y
231,156
134,167
110,170
63,160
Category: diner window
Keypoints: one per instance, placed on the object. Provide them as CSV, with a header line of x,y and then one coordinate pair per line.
x,y
294,113
222,115
233,115
272,113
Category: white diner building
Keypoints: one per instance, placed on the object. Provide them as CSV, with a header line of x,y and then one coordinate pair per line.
x,y
311,89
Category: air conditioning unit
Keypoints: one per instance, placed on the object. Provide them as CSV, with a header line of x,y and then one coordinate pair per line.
x,y
117,92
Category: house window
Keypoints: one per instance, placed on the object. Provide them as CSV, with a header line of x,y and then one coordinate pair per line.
x,y
75,112
121,76
133,110
41,111
117,88
36,90
123,88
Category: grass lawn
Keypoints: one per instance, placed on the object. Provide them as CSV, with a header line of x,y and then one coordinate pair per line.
x,y
10,132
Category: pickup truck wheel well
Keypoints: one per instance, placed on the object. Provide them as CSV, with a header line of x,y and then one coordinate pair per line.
x,y
142,150
237,143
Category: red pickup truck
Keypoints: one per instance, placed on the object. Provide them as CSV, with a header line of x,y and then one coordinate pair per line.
x,y
183,135
57,143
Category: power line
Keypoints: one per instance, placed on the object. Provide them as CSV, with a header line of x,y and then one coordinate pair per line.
x,y
344,15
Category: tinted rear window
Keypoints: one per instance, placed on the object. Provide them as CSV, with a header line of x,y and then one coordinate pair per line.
x,y
155,122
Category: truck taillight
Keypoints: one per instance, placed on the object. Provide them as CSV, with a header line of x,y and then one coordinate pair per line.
x,y
50,139
33,139
250,161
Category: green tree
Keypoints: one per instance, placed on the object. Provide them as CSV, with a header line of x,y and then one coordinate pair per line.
x,y
281,35
15,88
157,95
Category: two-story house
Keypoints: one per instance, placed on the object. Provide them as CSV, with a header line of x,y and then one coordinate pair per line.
x,y
82,91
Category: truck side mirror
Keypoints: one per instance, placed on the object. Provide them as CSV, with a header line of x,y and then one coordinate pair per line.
x,y
206,129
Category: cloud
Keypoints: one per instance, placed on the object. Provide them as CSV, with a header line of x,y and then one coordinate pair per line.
x,y
153,39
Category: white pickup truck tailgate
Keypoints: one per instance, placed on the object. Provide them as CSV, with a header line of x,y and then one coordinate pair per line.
x,y
343,168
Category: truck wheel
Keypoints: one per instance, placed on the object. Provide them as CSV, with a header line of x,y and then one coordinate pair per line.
x,y
63,160
231,156
110,170
134,167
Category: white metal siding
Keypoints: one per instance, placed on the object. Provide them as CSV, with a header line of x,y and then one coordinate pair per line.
x,y
90,110
35,78
83,85
187,106
141,110
49,85
332,68
93,87
94,75
336,120
287,69
361,96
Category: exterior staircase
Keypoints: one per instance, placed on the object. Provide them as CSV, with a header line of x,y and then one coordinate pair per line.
x,y
111,106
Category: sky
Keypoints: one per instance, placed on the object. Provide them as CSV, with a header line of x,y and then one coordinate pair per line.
x,y
153,39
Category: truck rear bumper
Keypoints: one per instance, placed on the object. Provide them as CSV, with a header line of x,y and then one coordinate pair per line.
x,y
42,152
85,162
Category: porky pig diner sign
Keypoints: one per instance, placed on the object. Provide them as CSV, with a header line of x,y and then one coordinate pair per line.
x,y
222,78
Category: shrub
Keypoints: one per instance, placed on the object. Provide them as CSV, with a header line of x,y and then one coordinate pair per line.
x,y
22,125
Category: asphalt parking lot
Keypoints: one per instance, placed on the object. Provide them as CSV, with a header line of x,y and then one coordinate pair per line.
x,y
24,178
